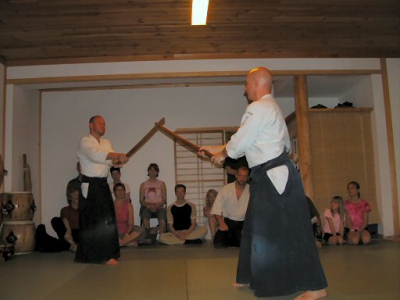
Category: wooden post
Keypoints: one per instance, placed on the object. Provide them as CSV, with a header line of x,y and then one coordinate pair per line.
x,y
303,134
392,155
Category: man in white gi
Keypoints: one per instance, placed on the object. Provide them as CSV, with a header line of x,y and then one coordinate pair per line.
x,y
98,228
278,255
230,209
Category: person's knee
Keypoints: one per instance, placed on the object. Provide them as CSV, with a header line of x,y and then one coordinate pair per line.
x,y
203,230
161,215
354,240
366,241
145,213
59,227
365,237
333,240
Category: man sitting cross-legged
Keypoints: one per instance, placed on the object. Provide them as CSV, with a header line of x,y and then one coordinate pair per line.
x,y
181,218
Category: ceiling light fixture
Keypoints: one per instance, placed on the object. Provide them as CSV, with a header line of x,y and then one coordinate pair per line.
x,y
199,12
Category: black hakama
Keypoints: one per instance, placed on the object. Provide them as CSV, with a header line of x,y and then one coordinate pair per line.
x,y
99,240
278,255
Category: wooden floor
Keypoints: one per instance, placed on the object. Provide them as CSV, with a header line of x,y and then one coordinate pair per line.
x,y
193,272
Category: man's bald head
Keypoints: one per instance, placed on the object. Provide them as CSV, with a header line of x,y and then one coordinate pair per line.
x,y
258,83
262,75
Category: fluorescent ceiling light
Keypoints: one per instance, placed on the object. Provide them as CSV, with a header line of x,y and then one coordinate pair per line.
x,y
199,12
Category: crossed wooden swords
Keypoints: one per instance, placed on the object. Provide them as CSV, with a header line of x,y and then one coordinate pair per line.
x,y
159,126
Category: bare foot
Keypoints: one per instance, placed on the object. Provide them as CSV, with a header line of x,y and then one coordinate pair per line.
x,y
112,262
238,285
312,295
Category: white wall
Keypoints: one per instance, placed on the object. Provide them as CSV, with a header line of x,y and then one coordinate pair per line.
x,y
287,105
360,94
382,173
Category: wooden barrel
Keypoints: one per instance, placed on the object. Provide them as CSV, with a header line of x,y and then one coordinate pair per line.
x,y
17,206
19,233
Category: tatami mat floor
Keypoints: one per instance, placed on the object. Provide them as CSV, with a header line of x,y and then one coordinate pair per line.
x,y
193,272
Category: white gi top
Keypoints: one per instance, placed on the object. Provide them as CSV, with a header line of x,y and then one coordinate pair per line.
x,y
227,204
92,156
262,135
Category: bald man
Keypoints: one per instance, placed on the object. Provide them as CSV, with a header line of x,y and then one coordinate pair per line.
x,y
278,255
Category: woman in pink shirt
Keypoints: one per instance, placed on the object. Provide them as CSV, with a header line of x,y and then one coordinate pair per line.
x,y
127,231
334,222
358,210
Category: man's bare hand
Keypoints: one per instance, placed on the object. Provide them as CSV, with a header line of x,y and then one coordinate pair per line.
x,y
211,149
123,158
219,153
223,227
181,235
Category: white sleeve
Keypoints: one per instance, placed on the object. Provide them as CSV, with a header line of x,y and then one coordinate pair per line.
x,y
245,135
217,207
255,118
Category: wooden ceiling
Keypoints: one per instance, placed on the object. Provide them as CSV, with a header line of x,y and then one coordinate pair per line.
x,y
69,31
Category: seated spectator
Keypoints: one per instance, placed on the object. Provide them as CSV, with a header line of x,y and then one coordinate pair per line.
x,y
212,221
76,182
232,165
181,216
357,220
66,227
116,176
153,197
230,210
128,232
315,222
334,222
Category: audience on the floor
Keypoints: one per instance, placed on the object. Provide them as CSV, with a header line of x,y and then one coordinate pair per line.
x,y
116,177
335,217
230,208
344,221
181,217
358,211
211,219
127,231
153,199
66,227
